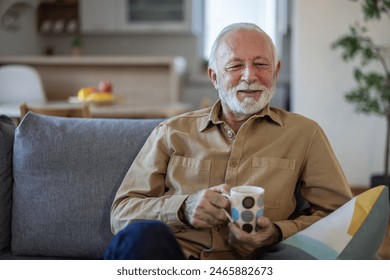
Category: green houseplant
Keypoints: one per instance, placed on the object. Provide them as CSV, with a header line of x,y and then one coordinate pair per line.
x,y
372,92
77,46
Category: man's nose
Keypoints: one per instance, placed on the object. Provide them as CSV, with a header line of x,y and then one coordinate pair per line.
x,y
249,75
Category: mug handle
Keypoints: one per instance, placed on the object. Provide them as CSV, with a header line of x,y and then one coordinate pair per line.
x,y
224,210
228,215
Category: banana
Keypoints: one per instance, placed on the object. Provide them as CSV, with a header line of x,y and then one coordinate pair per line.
x,y
84,92
99,97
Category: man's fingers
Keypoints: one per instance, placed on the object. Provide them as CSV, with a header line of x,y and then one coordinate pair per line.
x,y
262,221
239,241
216,198
205,220
237,232
206,208
223,188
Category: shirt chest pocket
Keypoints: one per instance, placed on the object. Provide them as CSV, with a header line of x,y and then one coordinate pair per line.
x,y
187,175
278,177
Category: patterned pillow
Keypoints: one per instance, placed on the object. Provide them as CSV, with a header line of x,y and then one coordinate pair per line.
x,y
354,231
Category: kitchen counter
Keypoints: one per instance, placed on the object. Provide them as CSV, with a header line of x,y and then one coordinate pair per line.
x,y
140,79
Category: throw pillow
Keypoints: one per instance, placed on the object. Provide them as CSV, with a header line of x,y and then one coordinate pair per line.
x,y
67,171
7,131
354,231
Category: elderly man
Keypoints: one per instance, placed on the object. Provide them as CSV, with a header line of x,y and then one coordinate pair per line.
x,y
170,204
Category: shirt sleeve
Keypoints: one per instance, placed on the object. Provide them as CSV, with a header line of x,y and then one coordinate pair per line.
x,y
323,185
143,193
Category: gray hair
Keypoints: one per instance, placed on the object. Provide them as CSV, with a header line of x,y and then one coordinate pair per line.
x,y
235,27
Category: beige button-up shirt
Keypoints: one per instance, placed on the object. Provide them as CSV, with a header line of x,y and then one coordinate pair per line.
x,y
276,149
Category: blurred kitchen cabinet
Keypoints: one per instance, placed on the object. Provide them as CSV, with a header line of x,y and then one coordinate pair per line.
x,y
137,16
98,15
58,17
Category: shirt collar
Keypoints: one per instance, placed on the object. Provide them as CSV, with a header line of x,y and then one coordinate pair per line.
x,y
214,116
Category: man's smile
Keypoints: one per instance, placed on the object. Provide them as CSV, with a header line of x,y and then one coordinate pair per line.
x,y
255,94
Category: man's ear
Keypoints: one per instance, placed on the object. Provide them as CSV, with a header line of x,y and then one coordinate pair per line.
x,y
212,77
277,70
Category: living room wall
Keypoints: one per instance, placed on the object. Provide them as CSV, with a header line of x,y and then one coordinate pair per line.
x,y
320,78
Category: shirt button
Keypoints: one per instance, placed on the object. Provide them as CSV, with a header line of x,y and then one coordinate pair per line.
x,y
233,164
230,134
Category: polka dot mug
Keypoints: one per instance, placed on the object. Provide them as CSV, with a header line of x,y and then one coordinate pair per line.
x,y
246,205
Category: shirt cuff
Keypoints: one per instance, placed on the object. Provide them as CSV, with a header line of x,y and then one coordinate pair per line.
x,y
287,228
170,212
280,234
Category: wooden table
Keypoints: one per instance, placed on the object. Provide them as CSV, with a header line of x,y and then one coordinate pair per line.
x,y
115,110
144,111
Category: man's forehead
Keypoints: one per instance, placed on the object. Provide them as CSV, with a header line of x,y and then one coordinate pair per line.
x,y
244,34
244,44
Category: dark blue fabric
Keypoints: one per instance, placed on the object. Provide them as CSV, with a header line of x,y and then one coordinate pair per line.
x,y
144,240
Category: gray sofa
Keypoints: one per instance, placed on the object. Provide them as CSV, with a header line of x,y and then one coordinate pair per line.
x,y
58,178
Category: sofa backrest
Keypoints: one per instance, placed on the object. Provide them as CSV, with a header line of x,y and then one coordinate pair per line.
x,y
66,173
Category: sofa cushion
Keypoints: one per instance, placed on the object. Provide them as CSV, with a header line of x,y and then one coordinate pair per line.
x,y
66,173
354,231
7,131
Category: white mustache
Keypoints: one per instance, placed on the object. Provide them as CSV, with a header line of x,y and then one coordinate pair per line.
x,y
245,86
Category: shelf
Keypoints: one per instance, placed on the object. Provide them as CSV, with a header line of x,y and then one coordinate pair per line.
x,y
59,17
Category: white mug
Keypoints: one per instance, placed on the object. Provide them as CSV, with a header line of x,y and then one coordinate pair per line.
x,y
246,205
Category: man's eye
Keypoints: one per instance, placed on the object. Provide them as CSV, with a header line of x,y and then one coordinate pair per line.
x,y
233,67
261,65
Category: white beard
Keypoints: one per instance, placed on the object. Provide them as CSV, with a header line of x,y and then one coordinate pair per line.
x,y
249,105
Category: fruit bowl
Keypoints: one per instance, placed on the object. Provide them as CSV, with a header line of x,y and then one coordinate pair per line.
x,y
96,98
100,96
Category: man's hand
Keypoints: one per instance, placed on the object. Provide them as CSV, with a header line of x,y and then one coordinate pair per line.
x,y
203,209
246,245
